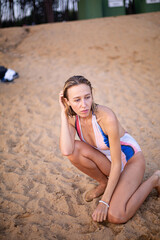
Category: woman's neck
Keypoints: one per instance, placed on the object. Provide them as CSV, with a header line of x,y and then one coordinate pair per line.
x,y
85,120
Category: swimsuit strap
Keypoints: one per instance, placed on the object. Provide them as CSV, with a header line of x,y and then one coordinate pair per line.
x,y
100,136
96,130
78,128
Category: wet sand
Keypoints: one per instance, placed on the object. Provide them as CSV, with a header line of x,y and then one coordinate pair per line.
x,y
41,192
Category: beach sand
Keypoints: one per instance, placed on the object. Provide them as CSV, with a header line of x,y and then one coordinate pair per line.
x,y
41,192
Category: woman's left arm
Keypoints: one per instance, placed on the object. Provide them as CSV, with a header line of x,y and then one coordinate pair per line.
x,y
100,213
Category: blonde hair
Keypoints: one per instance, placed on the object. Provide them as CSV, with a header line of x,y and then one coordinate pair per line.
x,y
74,81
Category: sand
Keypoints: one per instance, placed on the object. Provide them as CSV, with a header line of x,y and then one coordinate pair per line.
x,y
41,192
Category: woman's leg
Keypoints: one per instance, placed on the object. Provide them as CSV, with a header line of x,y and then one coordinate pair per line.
x,y
130,192
93,163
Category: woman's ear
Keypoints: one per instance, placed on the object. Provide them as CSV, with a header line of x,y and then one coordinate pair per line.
x,y
67,102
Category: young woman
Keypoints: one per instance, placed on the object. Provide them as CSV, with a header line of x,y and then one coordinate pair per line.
x,y
106,153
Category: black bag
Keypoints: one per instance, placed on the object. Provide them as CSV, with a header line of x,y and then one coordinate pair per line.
x,y
3,70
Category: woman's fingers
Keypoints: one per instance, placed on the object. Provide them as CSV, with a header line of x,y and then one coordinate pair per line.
x,y
100,213
105,217
61,99
98,217
61,95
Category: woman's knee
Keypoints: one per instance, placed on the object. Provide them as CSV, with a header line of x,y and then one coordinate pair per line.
x,y
139,159
81,150
74,157
117,216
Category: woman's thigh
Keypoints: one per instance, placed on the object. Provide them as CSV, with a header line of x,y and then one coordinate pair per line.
x,y
83,153
129,181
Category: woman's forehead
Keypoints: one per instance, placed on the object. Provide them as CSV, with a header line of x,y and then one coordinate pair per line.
x,y
79,90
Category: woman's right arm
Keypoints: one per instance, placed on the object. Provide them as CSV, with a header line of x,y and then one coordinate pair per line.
x,y
67,135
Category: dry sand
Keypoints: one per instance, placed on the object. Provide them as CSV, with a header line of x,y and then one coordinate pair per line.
x,y
41,192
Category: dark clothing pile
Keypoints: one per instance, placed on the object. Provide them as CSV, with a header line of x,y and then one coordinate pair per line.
x,y
7,75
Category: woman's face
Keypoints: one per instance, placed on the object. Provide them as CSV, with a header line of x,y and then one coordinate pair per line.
x,y
80,99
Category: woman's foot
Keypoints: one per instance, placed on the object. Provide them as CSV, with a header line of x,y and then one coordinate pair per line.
x,y
95,192
157,173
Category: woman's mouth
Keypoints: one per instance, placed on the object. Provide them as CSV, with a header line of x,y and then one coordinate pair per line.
x,y
84,111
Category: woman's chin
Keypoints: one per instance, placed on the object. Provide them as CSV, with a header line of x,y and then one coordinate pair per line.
x,y
85,113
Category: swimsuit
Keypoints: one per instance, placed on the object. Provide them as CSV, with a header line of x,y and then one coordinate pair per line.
x,y
129,146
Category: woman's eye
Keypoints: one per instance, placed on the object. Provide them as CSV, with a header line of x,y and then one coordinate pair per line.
x,y
77,100
87,97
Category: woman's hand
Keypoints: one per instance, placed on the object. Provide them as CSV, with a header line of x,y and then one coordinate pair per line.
x,y
100,213
62,101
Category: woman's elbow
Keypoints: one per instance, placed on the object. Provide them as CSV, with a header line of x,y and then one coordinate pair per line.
x,y
66,150
66,153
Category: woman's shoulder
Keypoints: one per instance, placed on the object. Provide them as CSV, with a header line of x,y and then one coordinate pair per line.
x,y
104,113
106,118
108,121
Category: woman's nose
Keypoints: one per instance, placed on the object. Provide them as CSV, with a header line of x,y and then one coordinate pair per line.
x,y
83,102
